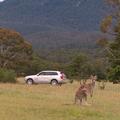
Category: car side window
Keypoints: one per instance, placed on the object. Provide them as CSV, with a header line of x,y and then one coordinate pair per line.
x,y
48,73
42,73
52,73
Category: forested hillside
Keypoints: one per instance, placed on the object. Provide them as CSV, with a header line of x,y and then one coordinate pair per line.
x,y
52,14
49,41
54,24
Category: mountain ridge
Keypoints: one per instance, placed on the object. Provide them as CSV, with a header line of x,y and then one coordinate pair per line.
x,y
33,18
56,13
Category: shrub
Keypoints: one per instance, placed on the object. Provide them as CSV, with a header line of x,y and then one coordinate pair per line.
x,y
7,76
114,74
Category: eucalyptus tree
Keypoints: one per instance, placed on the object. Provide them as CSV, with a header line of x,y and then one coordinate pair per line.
x,y
14,50
111,25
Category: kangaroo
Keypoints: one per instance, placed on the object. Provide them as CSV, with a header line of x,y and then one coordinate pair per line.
x,y
84,90
90,86
81,94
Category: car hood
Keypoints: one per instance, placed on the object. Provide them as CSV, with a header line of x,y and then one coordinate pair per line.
x,y
30,76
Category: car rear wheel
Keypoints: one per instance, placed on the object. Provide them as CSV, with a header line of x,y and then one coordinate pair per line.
x,y
54,82
29,82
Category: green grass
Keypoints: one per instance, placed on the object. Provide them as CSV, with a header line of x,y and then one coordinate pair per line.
x,y
45,102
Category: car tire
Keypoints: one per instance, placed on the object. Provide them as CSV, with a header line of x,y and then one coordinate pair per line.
x,y
29,82
54,82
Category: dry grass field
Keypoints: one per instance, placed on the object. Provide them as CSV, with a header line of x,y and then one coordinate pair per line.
x,y
44,102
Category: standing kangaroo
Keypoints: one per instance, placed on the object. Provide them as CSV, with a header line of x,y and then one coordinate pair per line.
x,y
85,89
90,86
81,94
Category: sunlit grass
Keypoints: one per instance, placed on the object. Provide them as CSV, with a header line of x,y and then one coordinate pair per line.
x,y
45,102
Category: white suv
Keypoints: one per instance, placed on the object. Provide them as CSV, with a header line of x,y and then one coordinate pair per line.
x,y
52,77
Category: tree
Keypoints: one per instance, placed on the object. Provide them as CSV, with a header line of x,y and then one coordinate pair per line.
x,y
111,25
14,50
80,67
100,68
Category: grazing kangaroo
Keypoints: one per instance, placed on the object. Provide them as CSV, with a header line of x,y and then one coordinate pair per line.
x,y
85,89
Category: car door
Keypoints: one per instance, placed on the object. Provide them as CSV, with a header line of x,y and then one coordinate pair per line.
x,y
43,77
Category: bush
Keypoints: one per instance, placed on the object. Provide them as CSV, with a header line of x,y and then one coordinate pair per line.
x,y
7,76
114,74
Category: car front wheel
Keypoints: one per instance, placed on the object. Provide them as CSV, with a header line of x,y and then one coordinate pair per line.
x,y
29,82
